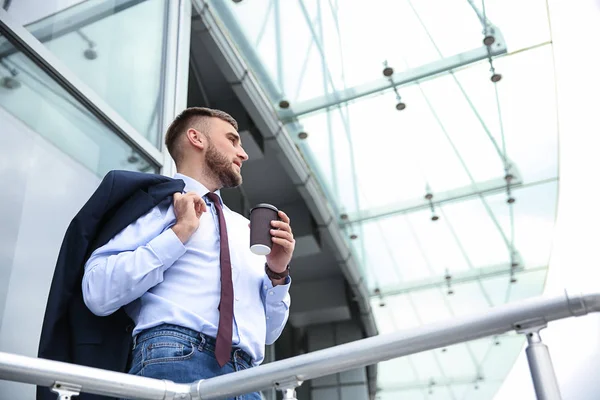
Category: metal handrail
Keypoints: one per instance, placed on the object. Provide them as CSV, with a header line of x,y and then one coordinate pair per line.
x,y
527,317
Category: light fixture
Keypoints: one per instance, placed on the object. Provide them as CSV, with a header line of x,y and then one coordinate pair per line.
x,y
10,82
284,104
429,197
388,71
133,158
513,280
353,236
489,40
510,200
90,53
344,217
400,106
496,77
302,135
448,278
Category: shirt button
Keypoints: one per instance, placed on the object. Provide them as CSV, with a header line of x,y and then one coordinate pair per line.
x,y
271,293
265,287
237,299
268,317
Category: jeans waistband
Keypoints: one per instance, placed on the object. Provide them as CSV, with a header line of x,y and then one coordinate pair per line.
x,y
201,340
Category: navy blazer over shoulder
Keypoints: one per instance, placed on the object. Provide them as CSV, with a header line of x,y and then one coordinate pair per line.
x,y
70,332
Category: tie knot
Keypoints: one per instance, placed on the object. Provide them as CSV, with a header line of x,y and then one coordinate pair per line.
x,y
214,198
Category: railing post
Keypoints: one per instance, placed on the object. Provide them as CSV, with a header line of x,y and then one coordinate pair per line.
x,y
288,388
289,394
65,390
540,365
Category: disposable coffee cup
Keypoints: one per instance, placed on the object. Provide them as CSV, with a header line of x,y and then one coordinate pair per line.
x,y
260,228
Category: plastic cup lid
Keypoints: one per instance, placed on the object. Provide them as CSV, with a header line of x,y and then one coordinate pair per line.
x,y
265,205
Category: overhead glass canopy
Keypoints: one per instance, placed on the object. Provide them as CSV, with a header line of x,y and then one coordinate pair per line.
x,y
438,152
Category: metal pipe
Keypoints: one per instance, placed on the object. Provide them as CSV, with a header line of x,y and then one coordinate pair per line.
x,y
384,347
540,366
43,372
290,373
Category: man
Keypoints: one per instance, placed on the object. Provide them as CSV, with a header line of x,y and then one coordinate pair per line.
x,y
203,305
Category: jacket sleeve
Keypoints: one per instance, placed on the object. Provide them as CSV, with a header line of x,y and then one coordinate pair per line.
x,y
131,263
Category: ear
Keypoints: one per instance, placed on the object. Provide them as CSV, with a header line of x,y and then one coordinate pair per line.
x,y
196,138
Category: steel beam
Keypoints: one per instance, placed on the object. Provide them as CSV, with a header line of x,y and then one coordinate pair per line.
x,y
472,275
404,78
485,188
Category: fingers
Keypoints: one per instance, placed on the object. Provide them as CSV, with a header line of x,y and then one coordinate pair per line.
x,y
284,217
284,224
191,199
280,233
286,244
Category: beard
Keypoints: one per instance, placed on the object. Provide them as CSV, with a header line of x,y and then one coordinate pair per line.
x,y
221,168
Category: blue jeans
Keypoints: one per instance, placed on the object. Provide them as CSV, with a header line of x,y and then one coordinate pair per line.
x,y
183,355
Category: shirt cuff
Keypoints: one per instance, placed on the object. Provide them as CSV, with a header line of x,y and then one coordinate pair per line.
x,y
167,247
276,294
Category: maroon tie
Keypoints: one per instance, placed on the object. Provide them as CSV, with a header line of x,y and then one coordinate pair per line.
x,y
225,332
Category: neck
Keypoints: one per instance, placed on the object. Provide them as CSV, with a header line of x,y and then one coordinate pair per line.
x,y
201,175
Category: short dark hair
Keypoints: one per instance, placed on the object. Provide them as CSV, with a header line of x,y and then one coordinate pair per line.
x,y
193,117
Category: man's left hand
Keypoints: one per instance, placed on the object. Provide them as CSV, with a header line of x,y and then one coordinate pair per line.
x,y
283,244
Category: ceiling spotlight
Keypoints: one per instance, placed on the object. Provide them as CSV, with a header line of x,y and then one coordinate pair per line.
x,y
489,40
388,71
510,200
400,106
450,292
354,236
508,177
237,1
284,104
377,291
133,158
302,135
344,217
10,82
382,304
444,350
496,77
429,196
513,280
90,54
434,217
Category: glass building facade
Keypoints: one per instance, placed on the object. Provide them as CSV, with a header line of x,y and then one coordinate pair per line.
x,y
436,151
82,92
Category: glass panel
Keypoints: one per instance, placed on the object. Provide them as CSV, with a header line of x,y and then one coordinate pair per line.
x,y
31,96
88,37
312,48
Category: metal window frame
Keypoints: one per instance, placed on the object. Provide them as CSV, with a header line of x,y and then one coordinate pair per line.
x,y
176,74
37,52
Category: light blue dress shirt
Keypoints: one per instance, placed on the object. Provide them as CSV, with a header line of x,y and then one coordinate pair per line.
x,y
146,269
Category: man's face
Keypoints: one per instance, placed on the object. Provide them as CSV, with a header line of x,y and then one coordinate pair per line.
x,y
224,153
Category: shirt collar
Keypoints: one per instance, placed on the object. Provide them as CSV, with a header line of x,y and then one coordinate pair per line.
x,y
192,185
